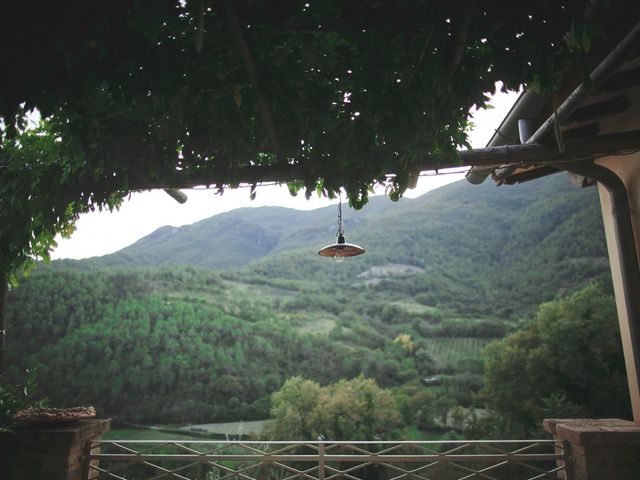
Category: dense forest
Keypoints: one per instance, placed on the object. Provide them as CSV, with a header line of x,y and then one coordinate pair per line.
x,y
205,322
193,345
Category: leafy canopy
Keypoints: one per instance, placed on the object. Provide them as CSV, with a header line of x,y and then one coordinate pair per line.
x,y
31,215
568,362
356,409
145,93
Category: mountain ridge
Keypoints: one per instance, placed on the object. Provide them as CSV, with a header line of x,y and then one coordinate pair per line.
x,y
486,244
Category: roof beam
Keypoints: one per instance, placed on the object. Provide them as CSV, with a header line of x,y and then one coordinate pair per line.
x,y
528,100
597,78
548,154
517,155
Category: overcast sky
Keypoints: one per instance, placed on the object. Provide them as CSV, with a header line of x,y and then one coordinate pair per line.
x,y
99,233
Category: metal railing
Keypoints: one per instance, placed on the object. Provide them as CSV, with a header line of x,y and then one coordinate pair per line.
x,y
221,460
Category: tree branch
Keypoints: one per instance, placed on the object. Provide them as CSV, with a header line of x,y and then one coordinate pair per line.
x,y
461,40
263,105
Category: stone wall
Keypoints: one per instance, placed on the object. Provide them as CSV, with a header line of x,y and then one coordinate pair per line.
x,y
51,452
598,449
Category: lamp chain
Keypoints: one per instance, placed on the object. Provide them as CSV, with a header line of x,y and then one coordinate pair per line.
x,y
340,230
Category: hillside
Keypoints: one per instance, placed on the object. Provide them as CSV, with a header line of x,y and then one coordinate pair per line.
x,y
236,238
483,249
203,322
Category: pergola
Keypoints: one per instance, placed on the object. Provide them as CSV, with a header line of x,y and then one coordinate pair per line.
x,y
324,95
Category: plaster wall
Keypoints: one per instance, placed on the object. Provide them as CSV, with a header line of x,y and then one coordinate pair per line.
x,y
628,169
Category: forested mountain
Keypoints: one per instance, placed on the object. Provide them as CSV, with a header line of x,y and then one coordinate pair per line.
x,y
239,237
483,249
204,322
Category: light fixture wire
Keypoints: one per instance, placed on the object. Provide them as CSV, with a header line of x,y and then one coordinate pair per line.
x,y
341,249
340,231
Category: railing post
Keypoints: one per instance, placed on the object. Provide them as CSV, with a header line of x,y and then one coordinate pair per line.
x,y
89,471
320,459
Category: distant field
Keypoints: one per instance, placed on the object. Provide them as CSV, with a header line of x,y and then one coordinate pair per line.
x,y
233,429
413,307
315,322
145,434
153,434
413,434
450,352
230,430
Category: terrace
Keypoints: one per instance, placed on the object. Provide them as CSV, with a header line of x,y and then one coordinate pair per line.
x,y
600,134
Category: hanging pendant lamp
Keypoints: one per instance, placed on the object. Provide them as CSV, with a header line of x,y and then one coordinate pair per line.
x,y
340,250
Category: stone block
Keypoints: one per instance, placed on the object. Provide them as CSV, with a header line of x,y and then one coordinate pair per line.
x,y
598,448
51,452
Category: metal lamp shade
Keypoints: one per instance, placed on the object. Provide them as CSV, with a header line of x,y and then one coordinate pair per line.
x,y
341,249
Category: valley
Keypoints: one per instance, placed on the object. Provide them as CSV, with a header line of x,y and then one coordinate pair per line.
x,y
203,323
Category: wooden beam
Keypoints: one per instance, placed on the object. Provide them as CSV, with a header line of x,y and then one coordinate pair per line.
x,y
548,154
603,109
618,55
517,155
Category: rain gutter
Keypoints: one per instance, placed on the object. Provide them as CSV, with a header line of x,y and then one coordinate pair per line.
x,y
528,106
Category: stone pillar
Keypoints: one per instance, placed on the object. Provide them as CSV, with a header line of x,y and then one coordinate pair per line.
x,y
598,449
51,452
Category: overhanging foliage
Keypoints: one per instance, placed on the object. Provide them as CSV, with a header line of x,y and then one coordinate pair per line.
x,y
141,93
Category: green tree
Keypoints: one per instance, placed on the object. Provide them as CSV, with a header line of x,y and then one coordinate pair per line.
x,y
423,410
567,362
349,409
356,409
14,398
291,408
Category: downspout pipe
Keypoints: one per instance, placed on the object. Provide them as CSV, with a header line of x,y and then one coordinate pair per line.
x,y
629,268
